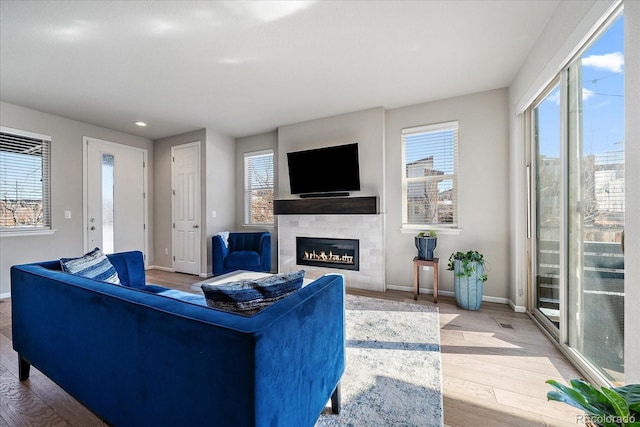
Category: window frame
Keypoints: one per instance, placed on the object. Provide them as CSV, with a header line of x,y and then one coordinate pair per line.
x,y
46,227
247,202
452,227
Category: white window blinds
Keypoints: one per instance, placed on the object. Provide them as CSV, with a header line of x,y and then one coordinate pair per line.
x,y
430,175
258,188
24,180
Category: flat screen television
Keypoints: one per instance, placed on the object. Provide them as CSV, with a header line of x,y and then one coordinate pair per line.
x,y
329,171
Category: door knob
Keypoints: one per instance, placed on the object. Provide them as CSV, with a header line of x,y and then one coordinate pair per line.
x,y
196,226
93,227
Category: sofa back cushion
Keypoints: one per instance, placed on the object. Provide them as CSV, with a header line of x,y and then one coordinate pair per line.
x,y
92,265
130,268
250,296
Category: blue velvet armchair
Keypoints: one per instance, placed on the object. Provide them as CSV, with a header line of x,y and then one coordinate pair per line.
x,y
242,251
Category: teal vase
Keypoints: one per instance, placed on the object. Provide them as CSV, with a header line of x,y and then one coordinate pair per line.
x,y
468,289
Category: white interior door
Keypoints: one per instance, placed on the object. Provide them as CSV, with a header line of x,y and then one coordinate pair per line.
x,y
115,196
185,178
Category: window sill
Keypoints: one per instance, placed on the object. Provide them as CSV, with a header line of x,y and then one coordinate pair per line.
x,y
22,233
439,231
269,226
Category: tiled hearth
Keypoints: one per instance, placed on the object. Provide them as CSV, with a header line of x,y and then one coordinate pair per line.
x,y
368,229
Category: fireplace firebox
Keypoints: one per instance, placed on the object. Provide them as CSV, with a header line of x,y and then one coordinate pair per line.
x,y
328,253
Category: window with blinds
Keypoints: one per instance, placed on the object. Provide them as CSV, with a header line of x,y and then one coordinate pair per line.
x,y
258,188
430,176
24,180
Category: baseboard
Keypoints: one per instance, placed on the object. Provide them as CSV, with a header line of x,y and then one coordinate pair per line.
x,y
161,268
517,308
487,298
405,288
172,270
5,295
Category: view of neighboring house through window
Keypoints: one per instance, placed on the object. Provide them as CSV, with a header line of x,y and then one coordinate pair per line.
x,y
24,180
258,187
430,175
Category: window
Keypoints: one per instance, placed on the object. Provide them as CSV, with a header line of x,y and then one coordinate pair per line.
x,y
24,181
258,188
430,176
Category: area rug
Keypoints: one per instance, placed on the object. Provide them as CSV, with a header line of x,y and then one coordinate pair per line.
x,y
393,375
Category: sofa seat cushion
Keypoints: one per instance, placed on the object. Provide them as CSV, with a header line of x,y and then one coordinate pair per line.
x,y
252,295
176,294
240,260
92,265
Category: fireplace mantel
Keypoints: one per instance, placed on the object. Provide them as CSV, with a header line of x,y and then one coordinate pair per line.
x,y
327,206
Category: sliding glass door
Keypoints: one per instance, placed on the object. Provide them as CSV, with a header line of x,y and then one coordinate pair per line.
x,y
579,205
595,205
548,192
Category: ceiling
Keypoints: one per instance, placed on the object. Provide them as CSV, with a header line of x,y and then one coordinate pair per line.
x,y
243,68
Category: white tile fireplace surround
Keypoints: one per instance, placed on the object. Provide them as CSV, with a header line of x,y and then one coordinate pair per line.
x,y
368,229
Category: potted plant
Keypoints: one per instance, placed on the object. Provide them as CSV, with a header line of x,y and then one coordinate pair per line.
x,y
607,407
426,242
468,278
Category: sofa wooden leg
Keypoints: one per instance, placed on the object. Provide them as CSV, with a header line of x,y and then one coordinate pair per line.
x,y
23,369
335,400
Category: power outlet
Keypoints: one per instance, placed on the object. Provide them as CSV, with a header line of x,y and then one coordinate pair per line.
x,y
166,251
67,214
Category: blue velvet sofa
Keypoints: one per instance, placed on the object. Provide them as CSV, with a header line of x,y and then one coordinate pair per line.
x,y
144,355
242,251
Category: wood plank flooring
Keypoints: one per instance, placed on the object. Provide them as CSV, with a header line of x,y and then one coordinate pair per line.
x,y
494,364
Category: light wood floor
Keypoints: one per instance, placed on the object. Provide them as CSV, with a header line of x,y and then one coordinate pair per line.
x,y
494,363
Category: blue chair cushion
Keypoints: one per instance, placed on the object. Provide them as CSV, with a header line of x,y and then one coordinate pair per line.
x,y
92,265
251,296
239,260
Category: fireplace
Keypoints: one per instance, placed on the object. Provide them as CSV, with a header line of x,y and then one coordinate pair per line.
x,y
328,253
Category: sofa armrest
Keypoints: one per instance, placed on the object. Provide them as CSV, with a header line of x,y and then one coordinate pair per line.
x,y
219,252
265,252
300,355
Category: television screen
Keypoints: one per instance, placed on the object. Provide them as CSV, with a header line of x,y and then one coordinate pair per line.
x,y
324,170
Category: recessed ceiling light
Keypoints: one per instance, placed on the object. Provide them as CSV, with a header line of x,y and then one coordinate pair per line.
x,y
141,124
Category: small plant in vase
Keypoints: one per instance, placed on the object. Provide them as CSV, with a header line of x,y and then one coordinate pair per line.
x,y
426,242
469,277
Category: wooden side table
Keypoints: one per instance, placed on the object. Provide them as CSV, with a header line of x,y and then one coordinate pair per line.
x,y
417,263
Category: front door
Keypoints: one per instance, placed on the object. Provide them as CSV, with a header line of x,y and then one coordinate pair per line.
x,y
115,197
185,178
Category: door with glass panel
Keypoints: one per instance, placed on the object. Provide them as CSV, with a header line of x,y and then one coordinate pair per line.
x,y
579,205
115,197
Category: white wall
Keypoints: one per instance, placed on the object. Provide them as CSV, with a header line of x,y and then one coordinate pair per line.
x,y
483,189
264,141
66,188
484,204
365,127
219,183
217,189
